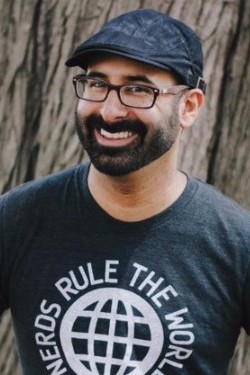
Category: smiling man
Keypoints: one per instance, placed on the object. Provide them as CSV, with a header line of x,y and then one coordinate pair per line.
x,y
132,114
126,129
126,265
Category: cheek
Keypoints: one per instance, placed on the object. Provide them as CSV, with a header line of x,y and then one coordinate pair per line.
x,y
149,117
80,109
85,108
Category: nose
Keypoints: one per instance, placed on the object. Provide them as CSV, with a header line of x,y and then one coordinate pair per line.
x,y
112,110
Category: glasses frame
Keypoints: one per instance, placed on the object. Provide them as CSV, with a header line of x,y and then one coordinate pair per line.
x,y
174,90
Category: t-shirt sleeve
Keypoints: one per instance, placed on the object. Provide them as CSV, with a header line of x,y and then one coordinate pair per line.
x,y
3,302
246,301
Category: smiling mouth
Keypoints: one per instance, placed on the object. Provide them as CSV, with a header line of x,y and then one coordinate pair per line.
x,y
117,135
115,139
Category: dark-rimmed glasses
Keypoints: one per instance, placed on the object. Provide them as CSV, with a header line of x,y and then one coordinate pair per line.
x,y
135,96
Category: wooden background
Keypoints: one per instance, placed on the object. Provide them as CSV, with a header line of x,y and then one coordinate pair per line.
x,y
37,134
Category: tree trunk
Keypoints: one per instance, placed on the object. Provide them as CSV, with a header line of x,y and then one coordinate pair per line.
x,y
37,136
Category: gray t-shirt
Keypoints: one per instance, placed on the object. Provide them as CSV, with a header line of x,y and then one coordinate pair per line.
x,y
97,296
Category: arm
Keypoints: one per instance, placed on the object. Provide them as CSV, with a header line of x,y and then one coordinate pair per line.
x,y
3,299
246,301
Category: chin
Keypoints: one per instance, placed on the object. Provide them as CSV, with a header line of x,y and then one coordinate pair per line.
x,y
115,169
122,165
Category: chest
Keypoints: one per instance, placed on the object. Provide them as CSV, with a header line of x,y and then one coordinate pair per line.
x,y
103,303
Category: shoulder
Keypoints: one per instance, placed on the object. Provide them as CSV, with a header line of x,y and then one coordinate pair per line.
x,y
213,198
219,210
40,196
48,185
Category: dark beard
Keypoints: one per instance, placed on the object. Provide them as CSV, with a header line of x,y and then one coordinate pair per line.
x,y
123,160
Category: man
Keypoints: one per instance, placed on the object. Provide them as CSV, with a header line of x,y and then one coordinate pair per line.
x,y
127,265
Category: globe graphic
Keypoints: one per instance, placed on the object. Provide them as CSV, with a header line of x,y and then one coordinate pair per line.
x,y
111,331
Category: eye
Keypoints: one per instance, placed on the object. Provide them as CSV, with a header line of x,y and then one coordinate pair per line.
x,y
95,84
137,90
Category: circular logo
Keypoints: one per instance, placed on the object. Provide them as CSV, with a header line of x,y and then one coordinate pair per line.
x,y
111,331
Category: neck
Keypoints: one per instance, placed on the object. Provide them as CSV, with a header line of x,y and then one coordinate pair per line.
x,y
138,195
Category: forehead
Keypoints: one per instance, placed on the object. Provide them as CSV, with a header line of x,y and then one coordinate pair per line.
x,y
115,66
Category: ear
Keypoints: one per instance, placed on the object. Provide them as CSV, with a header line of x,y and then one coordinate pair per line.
x,y
189,108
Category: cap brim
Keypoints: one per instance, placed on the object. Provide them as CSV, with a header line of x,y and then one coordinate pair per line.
x,y
82,57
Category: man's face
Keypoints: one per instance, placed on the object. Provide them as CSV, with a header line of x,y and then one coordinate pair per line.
x,y
120,139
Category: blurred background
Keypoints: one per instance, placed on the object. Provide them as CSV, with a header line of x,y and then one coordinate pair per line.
x,y
37,135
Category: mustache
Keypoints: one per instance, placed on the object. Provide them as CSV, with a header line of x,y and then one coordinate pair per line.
x,y
97,122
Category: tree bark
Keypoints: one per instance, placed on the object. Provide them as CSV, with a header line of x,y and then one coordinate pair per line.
x,y
37,136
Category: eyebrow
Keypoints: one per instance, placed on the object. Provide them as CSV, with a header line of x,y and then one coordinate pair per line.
x,y
130,78
96,75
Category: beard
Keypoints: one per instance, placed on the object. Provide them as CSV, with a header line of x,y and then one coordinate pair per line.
x,y
120,161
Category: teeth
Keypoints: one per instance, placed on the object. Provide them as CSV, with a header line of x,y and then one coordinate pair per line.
x,y
120,135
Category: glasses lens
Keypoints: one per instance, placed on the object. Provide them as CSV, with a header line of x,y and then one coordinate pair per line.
x,y
79,84
137,96
91,89
131,95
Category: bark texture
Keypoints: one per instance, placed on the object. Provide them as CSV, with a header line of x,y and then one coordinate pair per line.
x,y
37,135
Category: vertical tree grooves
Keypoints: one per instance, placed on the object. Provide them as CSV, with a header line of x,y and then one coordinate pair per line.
x,y
8,356
37,135
226,81
229,162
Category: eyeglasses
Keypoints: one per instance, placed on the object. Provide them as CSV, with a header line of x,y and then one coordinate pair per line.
x,y
135,96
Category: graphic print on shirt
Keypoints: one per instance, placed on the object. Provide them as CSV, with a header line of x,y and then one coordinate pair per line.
x,y
108,329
